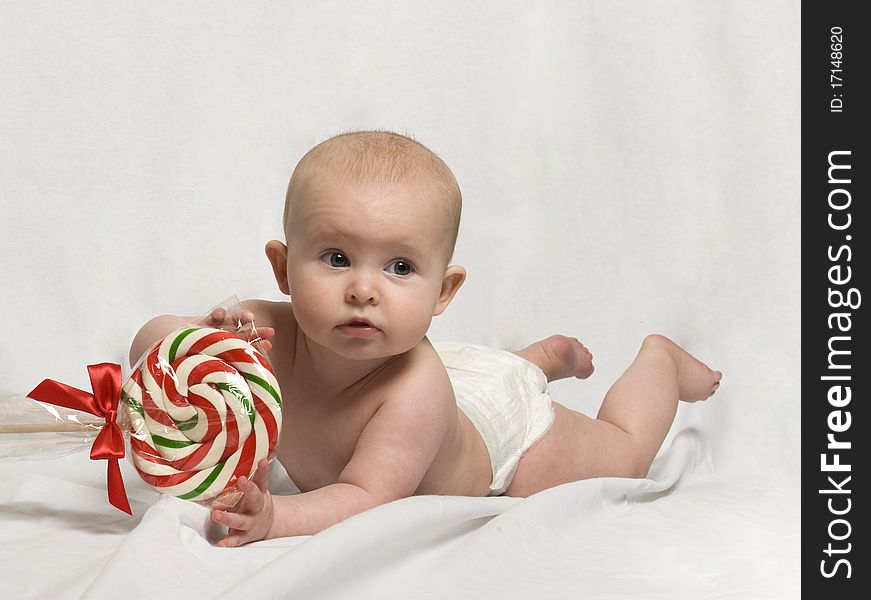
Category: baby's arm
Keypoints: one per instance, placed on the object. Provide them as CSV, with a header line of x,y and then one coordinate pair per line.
x,y
392,455
155,329
159,327
260,515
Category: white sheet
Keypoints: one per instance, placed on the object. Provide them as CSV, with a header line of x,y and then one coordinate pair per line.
x,y
678,534
627,167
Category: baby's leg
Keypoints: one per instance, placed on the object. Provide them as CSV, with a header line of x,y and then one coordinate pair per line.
x,y
644,400
559,357
635,416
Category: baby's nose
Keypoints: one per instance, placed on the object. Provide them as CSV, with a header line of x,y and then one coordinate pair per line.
x,y
362,292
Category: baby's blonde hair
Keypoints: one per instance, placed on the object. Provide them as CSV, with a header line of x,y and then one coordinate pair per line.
x,y
380,156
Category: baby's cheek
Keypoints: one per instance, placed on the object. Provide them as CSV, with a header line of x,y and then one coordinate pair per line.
x,y
419,321
306,313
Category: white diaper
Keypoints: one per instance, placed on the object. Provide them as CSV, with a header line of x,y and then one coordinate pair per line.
x,y
505,398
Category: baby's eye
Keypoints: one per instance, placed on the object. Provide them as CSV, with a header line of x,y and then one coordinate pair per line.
x,y
402,268
335,259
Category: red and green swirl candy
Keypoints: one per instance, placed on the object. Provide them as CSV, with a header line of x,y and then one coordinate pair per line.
x,y
204,408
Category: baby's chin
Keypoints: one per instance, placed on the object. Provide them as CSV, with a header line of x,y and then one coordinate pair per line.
x,y
363,350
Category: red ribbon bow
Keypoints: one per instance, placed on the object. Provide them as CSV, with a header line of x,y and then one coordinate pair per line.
x,y
109,445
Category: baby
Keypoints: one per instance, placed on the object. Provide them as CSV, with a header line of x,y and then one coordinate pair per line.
x,y
370,411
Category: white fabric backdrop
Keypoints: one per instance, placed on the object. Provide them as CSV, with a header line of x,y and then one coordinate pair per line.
x,y
627,167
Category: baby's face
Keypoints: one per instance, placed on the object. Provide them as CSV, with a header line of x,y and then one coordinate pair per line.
x,y
366,264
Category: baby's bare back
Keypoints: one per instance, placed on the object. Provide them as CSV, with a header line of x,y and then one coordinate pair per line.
x,y
397,423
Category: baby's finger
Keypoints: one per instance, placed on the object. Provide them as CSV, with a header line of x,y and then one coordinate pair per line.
x,y
262,337
243,317
261,476
218,315
231,541
240,521
252,501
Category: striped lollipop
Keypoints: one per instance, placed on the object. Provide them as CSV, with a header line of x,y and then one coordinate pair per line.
x,y
204,409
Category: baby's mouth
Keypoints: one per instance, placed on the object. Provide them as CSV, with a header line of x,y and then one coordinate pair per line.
x,y
359,328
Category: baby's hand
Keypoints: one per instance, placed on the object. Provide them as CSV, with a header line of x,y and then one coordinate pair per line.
x,y
241,324
251,520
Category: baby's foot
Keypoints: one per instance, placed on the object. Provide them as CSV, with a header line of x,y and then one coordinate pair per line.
x,y
560,357
696,380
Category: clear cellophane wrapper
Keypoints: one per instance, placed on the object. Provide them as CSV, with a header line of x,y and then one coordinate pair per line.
x,y
31,429
201,408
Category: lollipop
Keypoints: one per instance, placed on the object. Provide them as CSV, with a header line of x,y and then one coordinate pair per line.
x,y
204,408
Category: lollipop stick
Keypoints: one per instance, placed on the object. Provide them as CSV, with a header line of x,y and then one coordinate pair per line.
x,y
48,427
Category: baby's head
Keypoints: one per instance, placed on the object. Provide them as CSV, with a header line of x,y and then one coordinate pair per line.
x,y
381,158
370,220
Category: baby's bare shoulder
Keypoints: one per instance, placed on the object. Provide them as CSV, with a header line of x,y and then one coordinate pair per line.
x,y
263,310
267,313
419,376
414,416
279,317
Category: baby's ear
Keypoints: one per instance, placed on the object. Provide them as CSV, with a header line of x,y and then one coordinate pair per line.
x,y
276,252
455,275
